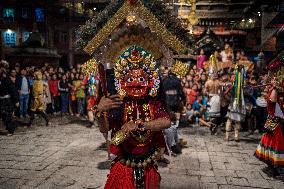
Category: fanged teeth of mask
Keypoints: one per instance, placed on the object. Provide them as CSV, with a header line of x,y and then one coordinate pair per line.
x,y
138,90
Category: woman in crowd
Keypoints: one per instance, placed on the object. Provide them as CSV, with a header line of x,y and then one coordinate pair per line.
x,y
201,58
64,94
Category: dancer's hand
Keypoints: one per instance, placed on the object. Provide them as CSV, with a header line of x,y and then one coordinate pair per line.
x,y
108,103
129,127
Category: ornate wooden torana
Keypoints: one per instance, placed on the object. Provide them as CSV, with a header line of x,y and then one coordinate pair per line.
x,y
133,22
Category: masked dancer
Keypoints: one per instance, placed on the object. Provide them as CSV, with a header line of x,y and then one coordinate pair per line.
x,y
91,81
271,147
237,110
37,101
136,119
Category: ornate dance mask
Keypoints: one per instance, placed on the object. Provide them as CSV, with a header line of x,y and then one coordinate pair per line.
x,y
136,74
135,83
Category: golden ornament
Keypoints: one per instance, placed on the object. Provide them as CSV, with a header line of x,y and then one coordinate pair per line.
x,y
142,12
133,164
130,18
121,93
155,74
118,137
145,107
90,67
127,163
144,164
139,165
117,75
180,69
129,110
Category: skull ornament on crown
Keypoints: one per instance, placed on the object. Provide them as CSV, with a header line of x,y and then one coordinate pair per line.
x,y
136,74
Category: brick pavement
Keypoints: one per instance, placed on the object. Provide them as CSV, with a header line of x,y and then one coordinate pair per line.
x,y
68,155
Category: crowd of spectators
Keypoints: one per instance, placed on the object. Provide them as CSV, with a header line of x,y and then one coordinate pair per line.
x,y
195,108
65,91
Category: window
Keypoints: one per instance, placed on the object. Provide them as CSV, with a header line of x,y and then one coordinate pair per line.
x,y
39,15
10,38
9,14
25,36
25,13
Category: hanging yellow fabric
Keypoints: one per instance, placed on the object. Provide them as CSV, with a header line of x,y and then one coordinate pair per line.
x,y
212,60
239,88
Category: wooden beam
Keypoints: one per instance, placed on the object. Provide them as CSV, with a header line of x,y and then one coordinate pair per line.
x,y
212,14
184,56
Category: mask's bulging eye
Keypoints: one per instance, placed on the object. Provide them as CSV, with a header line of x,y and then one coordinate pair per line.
x,y
130,79
141,79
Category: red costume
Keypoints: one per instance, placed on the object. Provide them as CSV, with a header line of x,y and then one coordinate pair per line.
x,y
271,148
135,155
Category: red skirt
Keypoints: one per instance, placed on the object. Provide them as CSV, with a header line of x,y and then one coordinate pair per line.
x,y
121,177
271,148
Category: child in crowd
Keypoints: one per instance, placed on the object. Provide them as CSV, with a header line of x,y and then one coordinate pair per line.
x,y
192,94
189,114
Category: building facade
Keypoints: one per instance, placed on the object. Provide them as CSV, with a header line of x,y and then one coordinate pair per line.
x,y
240,22
55,20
